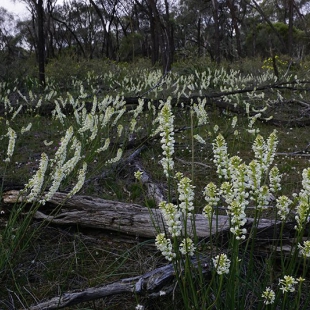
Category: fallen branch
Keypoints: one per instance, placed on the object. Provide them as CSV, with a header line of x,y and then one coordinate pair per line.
x,y
151,283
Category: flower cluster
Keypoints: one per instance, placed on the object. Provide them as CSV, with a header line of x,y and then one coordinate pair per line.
x,y
212,198
287,284
104,147
265,151
221,264
269,296
283,203
172,218
12,137
138,175
263,198
80,182
61,153
275,180
88,123
199,139
303,207
120,128
164,245
167,137
255,176
116,158
234,121
236,197
186,196
57,177
220,156
36,182
68,167
57,113
107,116
201,112
305,249
187,247
25,129
244,183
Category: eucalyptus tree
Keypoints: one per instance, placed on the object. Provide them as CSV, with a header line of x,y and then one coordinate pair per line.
x,y
37,9
10,42
286,12
107,13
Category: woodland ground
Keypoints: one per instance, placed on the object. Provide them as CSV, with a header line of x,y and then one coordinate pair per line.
x,y
66,258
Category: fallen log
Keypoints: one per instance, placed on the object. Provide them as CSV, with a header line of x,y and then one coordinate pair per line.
x,y
127,218
154,283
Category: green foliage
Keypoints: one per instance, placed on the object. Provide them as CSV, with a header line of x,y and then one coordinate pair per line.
x,y
277,38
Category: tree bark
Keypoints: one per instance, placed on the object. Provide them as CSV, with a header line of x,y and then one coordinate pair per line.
x,y
216,32
41,42
127,218
290,27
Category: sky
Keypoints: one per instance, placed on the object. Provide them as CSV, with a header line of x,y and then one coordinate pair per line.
x,y
18,7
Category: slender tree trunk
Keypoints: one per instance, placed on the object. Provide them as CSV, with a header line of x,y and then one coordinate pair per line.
x,y
41,42
231,5
168,41
199,37
107,36
156,33
216,32
290,27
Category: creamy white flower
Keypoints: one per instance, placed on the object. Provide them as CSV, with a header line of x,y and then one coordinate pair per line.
x,y
104,147
287,284
221,264
166,128
57,177
199,139
283,203
25,129
305,249
172,218
36,182
269,296
186,196
187,247
116,158
164,245
138,175
80,182
12,138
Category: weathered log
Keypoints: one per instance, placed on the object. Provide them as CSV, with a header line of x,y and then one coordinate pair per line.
x,y
151,283
126,218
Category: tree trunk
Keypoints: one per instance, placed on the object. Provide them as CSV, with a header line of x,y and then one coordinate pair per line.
x,y
290,27
156,33
217,41
41,42
232,8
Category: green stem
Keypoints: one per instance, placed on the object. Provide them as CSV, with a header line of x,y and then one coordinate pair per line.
x,y
218,294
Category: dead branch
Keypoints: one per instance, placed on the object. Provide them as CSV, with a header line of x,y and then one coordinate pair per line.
x,y
159,279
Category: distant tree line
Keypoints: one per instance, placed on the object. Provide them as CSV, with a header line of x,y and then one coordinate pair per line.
x,y
161,30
